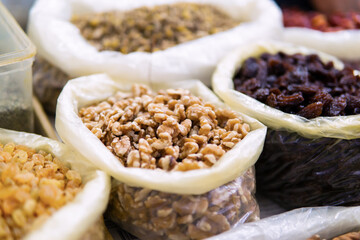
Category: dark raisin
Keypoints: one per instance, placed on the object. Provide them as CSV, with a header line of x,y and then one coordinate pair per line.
x,y
299,83
312,110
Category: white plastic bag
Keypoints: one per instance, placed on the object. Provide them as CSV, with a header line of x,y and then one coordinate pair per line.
x,y
343,127
87,90
299,224
60,42
342,44
305,162
74,219
149,203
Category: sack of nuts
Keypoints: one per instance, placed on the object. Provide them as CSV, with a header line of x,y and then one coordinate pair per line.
x,y
170,39
311,104
337,34
320,223
48,191
182,161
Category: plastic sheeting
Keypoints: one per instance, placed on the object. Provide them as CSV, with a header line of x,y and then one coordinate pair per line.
x,y
150,214
342,44
298,224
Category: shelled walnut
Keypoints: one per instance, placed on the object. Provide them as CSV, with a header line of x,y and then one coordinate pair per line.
x,y
33,185
148,29
172,130
151,214
347,236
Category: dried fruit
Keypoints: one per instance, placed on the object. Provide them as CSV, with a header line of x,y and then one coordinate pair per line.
x,y
33,186
299,84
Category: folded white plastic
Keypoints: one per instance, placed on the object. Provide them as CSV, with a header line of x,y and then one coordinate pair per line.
x,y
299,224
60,42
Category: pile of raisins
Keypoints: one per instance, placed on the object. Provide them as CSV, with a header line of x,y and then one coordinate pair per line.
x,y
300,84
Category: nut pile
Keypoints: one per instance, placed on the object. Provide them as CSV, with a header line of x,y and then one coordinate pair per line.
x,y
300,84
347,236
151,29
172,130
33,185
157,215
321,22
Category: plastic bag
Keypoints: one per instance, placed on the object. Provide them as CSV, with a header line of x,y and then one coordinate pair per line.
x,y
342,44
150,214
87,90
304,162
64,47
73,220
298,224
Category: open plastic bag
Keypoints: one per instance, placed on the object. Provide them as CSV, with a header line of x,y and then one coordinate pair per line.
x,y
299,224
304,162
342,44
60,42
82,214
91,89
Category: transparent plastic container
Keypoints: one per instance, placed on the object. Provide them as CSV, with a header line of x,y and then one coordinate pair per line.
x,y
16,58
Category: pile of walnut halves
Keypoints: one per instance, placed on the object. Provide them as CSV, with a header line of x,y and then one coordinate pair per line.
x,y
182,161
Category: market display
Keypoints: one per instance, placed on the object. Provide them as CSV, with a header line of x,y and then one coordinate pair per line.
x,y
150,150
34,185
151,29
300,84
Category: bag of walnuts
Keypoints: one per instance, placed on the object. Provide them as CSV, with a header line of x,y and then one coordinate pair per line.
x,y
182,161
170,39
48,191
311,104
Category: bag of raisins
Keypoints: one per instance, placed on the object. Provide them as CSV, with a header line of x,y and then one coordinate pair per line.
x,y
142,40
337,34
311,104
182,161
301,224
48,191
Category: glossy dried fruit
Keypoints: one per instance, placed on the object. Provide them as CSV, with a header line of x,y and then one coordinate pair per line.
x,y
33,185
299,84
